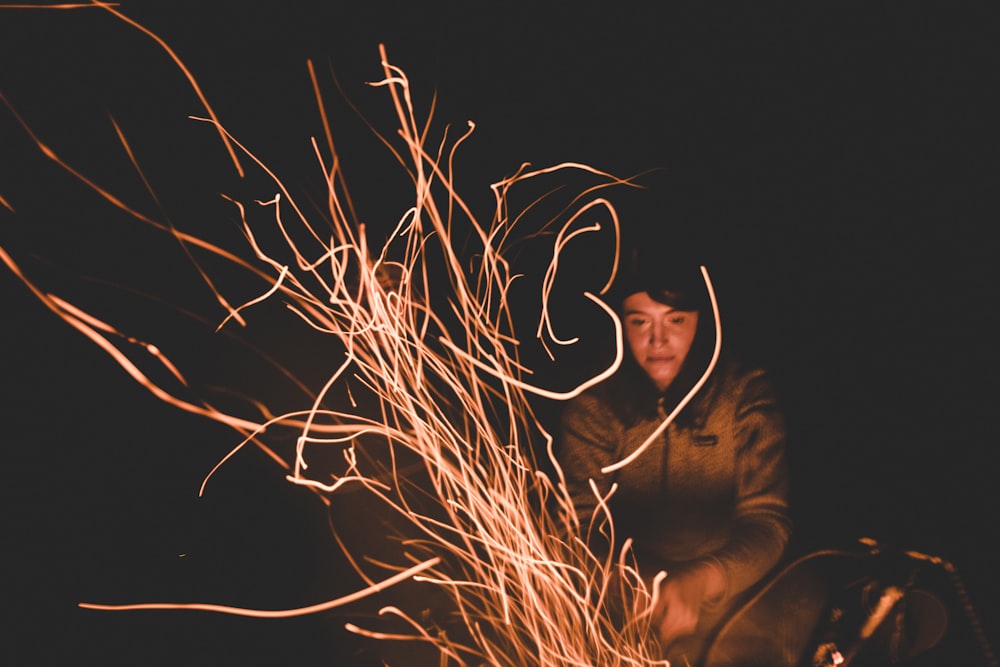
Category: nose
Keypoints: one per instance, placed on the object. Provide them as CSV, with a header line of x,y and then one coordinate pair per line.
x,y
658,335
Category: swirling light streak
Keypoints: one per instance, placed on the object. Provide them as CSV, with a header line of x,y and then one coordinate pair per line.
x,y
439,355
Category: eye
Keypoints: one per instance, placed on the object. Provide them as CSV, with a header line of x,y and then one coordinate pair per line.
x,y
636,321
677,319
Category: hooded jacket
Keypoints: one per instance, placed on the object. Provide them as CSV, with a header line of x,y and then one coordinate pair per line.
x,y
714,485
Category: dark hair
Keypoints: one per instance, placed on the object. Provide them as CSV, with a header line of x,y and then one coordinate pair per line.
x,y
674,280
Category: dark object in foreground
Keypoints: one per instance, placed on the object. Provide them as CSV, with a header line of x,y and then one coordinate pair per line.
x,y
866,607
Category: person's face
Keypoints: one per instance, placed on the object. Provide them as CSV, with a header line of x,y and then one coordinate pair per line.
x,y
659,336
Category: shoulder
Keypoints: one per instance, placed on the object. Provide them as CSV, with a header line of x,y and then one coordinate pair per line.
x,y
733,373
588,421
606,407
596,400
742,386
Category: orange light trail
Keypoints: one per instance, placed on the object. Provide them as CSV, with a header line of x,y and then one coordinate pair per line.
x,y
267,613
63,5
439,356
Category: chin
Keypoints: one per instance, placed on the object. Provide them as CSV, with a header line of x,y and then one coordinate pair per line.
x,y
662,379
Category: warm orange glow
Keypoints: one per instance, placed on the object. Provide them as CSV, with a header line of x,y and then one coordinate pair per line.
x,y
63,5
266,613
440,357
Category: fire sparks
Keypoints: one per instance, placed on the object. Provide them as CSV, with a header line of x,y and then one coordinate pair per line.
x,y
428,334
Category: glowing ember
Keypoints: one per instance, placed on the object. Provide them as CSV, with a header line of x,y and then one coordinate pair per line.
x,y
428,333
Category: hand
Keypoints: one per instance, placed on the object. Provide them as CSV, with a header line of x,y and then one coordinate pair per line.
x,y
681,598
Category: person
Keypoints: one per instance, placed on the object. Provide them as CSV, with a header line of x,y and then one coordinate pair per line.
x,y
707,502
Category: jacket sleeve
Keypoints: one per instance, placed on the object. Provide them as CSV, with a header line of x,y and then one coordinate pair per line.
x,y
588,442
761,523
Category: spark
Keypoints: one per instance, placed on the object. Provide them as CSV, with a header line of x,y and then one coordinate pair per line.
x,y
267,613
62,5
431,338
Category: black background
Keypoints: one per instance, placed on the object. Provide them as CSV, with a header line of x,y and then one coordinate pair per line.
x,y
840,156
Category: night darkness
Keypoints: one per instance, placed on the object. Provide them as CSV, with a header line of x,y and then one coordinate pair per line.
x,y
840,158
